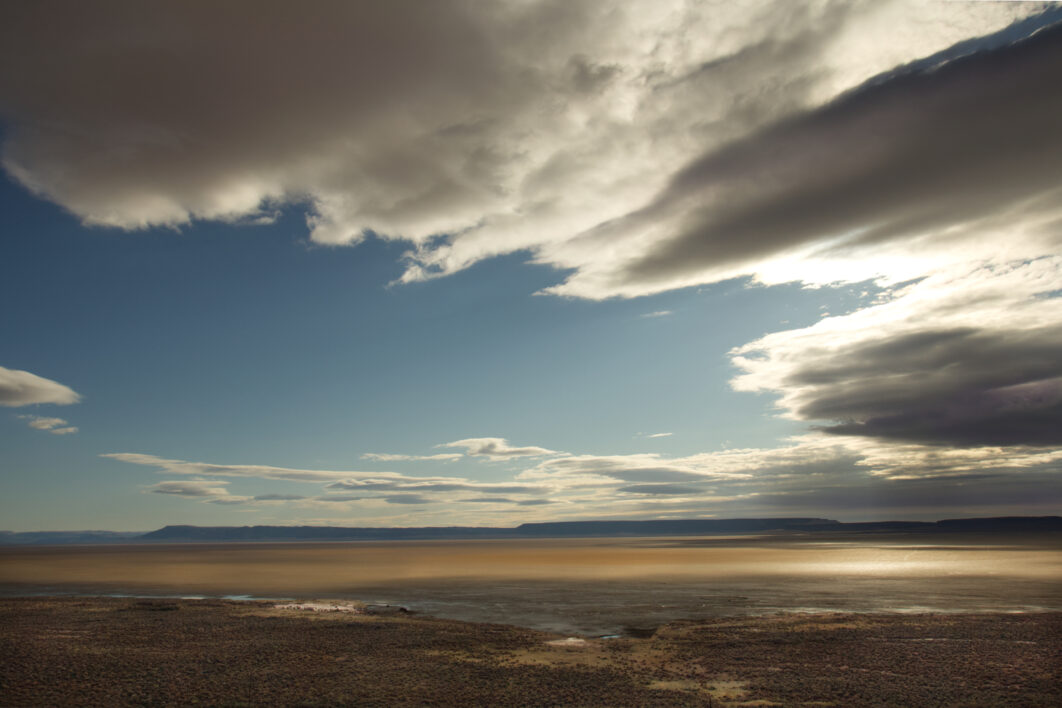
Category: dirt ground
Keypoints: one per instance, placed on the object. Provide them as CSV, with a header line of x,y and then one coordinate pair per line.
x,y
78,651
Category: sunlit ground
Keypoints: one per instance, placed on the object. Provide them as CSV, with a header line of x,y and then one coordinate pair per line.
x,y
585,584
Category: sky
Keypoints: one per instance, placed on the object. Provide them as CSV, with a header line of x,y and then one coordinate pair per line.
x,y
466,263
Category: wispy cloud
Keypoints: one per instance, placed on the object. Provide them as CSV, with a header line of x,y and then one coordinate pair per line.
x,y
213,470
387,457
55,426
191,488
658,313
497,448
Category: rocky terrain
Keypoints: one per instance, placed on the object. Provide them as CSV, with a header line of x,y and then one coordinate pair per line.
x,y
89,651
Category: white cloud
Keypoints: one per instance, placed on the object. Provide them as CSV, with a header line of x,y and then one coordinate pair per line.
x,y
497,448
658,313
43,423
21,388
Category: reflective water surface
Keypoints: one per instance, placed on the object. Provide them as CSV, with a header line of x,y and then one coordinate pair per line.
x,y
585,586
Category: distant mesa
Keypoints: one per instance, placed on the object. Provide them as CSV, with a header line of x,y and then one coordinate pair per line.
x,y
555,529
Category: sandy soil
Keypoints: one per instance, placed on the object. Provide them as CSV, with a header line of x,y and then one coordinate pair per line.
x,y
73,651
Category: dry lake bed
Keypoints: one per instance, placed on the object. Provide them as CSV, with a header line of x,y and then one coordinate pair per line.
x,y
589,587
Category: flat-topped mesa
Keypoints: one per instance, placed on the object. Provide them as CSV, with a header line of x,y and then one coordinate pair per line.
x,y
680,527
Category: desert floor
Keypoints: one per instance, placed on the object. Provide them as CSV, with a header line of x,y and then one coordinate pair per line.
x,y
113,651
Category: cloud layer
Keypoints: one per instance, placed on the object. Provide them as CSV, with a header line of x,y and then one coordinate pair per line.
x,y
851,477
472,131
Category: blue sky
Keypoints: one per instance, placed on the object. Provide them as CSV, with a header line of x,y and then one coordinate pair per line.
x,y
628,287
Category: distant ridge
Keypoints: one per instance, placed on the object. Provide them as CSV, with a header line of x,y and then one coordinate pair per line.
x,y
557,529
55,538
554,529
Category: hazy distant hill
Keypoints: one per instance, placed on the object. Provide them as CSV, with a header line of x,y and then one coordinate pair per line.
x,y
47,538
676,527
555,529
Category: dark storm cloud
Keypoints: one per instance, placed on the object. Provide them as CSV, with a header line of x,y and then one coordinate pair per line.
x,y
960,387
918,151
1035,491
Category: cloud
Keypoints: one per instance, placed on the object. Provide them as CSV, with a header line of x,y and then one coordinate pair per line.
x,y
388,487
407,499
659,435
819,473
55,426
497,448
965,357
466,130
191,488
430,484
932,159
21,388
660,489
605,470
386,457
211,470
658,313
